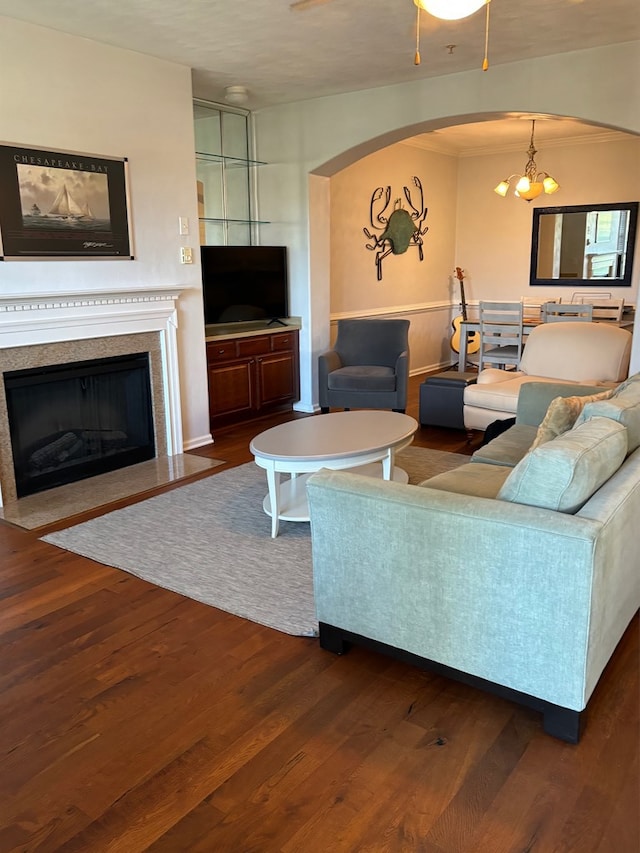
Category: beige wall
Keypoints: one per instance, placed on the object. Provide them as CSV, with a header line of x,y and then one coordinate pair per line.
x,y
418,290
493,241
469,226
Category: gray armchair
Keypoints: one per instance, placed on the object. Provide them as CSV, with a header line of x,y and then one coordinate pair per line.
x,y
368,368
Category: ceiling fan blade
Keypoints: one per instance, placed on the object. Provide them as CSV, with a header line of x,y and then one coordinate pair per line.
x,y
302,5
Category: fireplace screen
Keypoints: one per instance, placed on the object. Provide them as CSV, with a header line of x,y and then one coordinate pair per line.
x,y
72,421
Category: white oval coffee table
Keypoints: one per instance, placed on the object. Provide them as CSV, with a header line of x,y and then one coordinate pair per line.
x,y
338,440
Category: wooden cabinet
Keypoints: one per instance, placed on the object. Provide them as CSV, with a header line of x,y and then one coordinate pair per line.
x,y
252,375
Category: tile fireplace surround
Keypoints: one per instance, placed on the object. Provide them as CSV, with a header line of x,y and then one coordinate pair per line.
x,y
42,329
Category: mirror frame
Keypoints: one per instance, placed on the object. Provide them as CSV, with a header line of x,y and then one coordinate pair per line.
x,y
579,283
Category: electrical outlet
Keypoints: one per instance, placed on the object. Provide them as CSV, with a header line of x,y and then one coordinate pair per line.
x,y
183,226
186,255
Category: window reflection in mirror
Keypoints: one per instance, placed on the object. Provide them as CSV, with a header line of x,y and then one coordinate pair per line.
x,y
584,245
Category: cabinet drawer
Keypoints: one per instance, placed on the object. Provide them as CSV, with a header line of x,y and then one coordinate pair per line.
x,y
253,346
219,351
282,342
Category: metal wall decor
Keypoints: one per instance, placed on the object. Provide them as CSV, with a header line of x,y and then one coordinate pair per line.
x,y
63,204
401,228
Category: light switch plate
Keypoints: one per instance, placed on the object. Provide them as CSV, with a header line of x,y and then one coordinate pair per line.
x,y
183,226
186,255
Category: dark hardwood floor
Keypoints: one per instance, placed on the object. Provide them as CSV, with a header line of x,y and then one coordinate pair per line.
x,y
134,719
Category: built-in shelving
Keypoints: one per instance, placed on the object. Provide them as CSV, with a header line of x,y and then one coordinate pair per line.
x,y
237,221
229,162
225,174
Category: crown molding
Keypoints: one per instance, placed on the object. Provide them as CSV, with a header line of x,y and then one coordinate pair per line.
x,y
439,146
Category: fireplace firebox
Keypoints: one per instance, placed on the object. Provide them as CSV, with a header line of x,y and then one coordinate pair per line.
x,y
75,420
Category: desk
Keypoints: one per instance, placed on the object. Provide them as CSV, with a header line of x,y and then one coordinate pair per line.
x,y
528,324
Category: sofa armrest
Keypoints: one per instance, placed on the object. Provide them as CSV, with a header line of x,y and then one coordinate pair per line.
x,y
491,375
402,374
327,361
535,397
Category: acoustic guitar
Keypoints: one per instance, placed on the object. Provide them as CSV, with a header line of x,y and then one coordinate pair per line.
x,y
473,338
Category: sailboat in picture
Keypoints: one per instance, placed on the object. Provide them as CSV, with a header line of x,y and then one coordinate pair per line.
x,y
66,207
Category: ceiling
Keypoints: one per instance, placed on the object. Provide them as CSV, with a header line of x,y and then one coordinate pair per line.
x,y
336,46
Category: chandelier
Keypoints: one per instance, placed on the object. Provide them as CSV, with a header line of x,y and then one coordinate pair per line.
x,y
452,10
532,183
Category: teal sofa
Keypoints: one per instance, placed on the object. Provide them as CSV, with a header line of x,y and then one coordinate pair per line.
x,y
518,575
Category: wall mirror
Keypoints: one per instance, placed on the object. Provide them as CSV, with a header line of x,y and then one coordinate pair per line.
x,y
584,245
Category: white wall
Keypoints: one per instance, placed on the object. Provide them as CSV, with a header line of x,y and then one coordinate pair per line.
x,y
62,92
322,136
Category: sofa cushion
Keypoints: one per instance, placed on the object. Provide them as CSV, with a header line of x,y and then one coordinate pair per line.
x,y
473,478
562,414
623,406
362,377
501,396
624,412
508,448
563,474
536,396
630,388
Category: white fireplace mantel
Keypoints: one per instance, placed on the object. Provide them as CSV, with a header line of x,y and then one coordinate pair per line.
x,y
43,318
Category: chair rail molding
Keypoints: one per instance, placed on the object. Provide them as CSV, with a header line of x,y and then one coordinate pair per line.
x,y
392,310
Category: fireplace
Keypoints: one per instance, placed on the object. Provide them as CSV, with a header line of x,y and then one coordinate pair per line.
x,y
47,336
75,420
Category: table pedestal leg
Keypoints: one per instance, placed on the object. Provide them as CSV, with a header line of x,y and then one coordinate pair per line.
x,y
273,481
387,465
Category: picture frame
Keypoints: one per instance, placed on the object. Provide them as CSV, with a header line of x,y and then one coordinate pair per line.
x,y
63,205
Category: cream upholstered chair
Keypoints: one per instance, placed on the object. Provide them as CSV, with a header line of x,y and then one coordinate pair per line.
x,y
368,367
555,312
589,353
501,335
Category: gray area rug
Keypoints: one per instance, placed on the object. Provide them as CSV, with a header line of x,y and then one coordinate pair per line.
x,y
211,541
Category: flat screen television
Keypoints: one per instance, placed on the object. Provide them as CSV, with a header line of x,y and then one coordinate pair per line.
x,y
244,283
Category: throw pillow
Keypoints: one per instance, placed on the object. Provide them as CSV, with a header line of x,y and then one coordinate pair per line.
x,y
563,474
623,406
625,413
562,414
629,383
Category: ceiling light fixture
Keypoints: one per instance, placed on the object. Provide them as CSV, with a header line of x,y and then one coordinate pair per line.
x,y
236,94
532,183
452,10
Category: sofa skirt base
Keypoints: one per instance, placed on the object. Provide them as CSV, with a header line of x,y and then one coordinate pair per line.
x,y
562,723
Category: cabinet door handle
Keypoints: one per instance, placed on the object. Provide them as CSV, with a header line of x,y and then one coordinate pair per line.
x,y
220,352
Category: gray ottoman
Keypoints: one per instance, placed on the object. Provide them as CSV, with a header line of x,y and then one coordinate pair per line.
x,y
441,398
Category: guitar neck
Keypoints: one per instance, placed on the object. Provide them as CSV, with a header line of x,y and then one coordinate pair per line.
x,y
463,302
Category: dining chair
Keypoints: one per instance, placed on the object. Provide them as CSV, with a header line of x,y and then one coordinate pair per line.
x,y
556,312
501,334
605,309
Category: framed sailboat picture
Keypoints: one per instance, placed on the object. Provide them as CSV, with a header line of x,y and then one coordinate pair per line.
x,y
63,204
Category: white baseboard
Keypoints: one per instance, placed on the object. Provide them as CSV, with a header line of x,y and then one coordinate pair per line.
x,y
197,442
